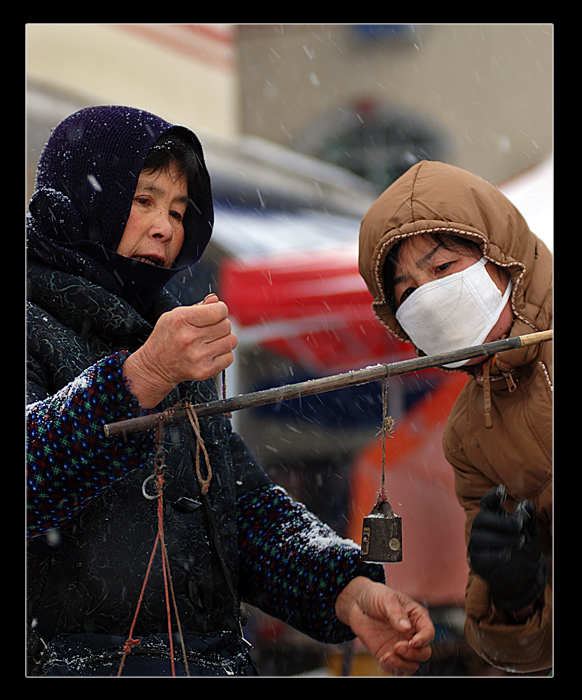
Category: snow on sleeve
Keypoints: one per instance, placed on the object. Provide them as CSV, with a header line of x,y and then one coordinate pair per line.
x,y
293,566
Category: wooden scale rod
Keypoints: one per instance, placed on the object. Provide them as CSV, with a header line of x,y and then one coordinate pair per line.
x,y
323,384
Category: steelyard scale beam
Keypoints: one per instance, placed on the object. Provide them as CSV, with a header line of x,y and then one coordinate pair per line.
x,y
323,384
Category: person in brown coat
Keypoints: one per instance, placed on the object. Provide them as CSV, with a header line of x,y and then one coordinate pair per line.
x,y
450,262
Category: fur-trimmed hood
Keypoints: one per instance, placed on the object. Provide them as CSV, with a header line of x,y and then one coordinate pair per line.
x,y
437,197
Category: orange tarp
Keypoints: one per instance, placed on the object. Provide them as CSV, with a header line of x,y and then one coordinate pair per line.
x,y
420,487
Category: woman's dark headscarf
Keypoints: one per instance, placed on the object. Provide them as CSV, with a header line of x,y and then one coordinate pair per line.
x,y
86,179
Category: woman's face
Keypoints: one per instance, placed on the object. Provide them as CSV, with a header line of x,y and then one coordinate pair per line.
x,y
154,232
422,259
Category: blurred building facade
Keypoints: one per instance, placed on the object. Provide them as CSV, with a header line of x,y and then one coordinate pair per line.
x,y
374,98
476,95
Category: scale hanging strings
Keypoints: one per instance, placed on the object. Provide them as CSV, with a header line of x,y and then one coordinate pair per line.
x,y
200,447
382,529
387,426
197,446
158,475
223,377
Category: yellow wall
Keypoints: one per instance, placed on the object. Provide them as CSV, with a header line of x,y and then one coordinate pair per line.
x,y
184,73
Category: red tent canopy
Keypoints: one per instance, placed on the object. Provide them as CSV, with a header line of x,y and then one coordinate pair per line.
x,y
312,307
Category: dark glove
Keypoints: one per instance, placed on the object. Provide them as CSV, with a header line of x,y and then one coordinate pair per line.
x,y
505,550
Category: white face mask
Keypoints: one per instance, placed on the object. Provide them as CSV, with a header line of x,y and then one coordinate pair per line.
x,y
454,312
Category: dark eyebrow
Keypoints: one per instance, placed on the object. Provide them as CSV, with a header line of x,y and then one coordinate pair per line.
x,y
419,264
157,190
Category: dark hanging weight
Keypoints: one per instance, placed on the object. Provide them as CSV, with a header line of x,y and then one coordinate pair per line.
x,y
382,535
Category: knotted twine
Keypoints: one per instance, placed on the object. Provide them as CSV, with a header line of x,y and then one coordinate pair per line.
x,y
159,471
387,427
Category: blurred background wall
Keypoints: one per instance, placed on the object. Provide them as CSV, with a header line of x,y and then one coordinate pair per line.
x,y
369,97
476,95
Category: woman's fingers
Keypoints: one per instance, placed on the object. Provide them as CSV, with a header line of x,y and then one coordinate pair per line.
x,y
188,343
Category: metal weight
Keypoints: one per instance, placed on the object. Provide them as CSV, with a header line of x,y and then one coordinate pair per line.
x,y
382,535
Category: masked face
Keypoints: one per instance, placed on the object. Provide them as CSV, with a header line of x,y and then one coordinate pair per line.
x,y
449,300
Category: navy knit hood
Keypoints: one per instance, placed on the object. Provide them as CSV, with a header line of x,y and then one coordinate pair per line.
x,y
86,179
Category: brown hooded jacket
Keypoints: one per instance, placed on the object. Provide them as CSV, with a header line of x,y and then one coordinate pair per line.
x,y
500,429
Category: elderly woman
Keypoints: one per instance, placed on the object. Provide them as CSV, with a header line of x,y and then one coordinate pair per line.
x,y
451,263
122,203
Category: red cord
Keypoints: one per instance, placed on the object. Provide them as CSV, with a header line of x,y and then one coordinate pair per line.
x,y
159,538
130,641
165,570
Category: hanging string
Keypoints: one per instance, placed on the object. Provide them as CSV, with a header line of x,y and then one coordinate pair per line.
x,y
200,447
175,605
197,446
131,642
158,474
387,426
228,415
159,471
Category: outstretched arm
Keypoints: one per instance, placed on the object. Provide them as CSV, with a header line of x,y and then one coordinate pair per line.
x,y
393,627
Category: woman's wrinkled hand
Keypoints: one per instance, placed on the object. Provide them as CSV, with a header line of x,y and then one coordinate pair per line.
x,y
395,629
188,343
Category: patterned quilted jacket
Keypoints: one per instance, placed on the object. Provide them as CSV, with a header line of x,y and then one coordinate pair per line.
x,y
91,530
